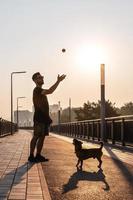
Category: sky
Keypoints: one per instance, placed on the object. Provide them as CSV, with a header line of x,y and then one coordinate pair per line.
x,y
33,34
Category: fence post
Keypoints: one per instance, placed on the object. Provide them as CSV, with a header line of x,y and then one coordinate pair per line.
x,y
98,131
81,130
93,130
122,132
88,137
85,129
75,128
112,132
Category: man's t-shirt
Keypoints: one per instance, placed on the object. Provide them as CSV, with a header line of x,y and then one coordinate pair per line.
x,y
41,107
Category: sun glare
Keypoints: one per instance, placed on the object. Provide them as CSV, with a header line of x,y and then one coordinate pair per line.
x,y
90,56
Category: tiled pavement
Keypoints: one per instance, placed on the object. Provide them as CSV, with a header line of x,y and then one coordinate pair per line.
x,y
113,182
19,179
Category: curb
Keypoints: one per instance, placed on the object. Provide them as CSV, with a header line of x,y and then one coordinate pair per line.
x,y
44,186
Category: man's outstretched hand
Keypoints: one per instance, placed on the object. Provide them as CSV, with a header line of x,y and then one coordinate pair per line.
x,y
61,78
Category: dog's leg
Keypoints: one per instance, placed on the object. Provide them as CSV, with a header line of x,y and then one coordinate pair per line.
x,y
100,162
78,163
81,164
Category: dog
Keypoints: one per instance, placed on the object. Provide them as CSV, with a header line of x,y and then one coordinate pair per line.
x,y
83,154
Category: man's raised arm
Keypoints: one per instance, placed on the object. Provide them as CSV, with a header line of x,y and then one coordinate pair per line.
x,y
53,87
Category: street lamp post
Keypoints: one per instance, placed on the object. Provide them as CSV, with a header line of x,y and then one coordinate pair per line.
x,y
19,72
103,127
17,109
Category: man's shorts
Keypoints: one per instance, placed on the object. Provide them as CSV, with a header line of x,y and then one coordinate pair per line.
x,y
41,129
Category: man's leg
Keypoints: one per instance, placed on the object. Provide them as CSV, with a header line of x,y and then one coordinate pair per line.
x,y
34,141
33,144
40,144
39,157
32,148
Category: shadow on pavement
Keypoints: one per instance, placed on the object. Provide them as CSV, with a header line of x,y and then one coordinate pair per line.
x,y
13,178
86,176
124,170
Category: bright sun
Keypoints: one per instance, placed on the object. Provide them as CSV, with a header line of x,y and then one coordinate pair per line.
x,y
90,56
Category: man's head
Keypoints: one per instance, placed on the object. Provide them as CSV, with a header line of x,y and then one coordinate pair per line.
x,y
38,78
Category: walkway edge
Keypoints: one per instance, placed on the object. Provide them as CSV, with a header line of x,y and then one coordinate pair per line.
x,y
45,190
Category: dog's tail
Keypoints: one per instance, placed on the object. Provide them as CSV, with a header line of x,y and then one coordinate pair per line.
x,y
101,145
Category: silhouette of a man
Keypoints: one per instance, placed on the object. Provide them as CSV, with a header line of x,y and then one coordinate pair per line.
x,y
41,118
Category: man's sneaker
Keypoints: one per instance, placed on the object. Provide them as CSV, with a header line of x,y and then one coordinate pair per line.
x,y
31,158
40,158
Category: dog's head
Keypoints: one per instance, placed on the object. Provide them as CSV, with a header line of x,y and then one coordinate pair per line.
x,y
77,144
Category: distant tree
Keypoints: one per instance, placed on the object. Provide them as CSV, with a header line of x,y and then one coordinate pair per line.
x,y
84,112
92,110
111,109
127,109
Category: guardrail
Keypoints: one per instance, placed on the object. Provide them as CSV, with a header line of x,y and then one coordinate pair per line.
x,y
5,127
118,129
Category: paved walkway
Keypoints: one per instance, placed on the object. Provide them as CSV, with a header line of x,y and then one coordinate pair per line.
x,y
19,179
113,182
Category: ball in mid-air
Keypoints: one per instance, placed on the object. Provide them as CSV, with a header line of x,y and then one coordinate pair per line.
x,y
63,50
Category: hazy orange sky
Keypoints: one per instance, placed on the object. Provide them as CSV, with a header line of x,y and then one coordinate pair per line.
x,y
93,32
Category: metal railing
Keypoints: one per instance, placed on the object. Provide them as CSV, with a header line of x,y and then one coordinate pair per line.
x,y
118,129
5,127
